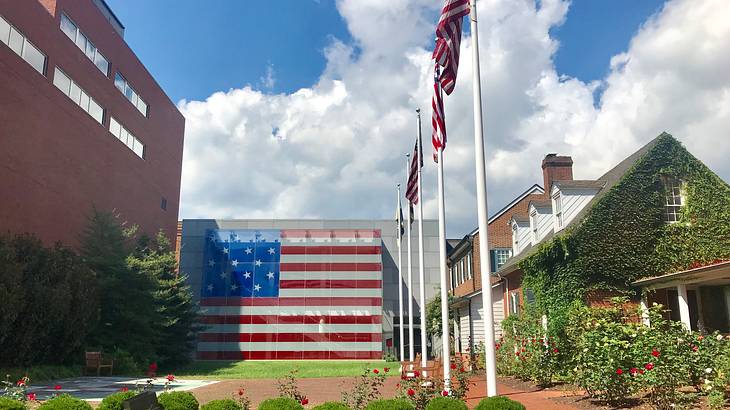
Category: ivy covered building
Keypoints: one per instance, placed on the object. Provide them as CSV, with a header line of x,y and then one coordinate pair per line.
x,y
656,227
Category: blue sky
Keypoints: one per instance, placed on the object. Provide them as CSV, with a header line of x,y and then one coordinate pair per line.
x,y
195,48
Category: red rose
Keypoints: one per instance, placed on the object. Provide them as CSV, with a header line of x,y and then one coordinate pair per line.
x,y
461,369
523,350
240,392
411,392
555,350
517,353
170,377
403,377
386,369
655,353
649,366
153,367
397,385
641,371
700,337
619,371
694,348
376,371
305,401
21,382
634,370
416,373
453,366
57,387
31,396
444,393
124,389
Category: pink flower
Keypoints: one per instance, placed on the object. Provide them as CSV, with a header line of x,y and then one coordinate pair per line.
x,y
619,371
555,350
694,348
124,389
31,396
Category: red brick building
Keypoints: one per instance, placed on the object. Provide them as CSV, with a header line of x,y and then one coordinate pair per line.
x,y
82,124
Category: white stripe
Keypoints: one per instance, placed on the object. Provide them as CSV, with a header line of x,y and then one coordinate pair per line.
x,y
293,328
288,258
339,275
335,292
289,346
293,310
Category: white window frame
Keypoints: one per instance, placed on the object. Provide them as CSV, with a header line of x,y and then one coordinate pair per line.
x,y
673,199
514,305
89,49
77,94
558,210
515,237
533,225
23,46
120,81
126,137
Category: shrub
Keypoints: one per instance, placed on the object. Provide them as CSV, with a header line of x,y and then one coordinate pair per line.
x,y
446,403
125,364
288,387
391,404
460,382
225,404
499,403
332,405
367,388
114,401
10,404
65,402
281,403
178,400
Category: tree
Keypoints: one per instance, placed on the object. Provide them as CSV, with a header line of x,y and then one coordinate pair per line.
x,y
177,312
433,316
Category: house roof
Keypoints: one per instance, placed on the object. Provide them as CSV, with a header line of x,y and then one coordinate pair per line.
x,y
607,180
541,203
714,274
519,219
579,183
534,189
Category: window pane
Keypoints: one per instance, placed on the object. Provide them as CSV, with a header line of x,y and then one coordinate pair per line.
x,y
102,63
75,93
129,92
4,30
81,41
119,82
114,127
34,57
96,111
84,101
90,50
61,81
68,27
123,135
139,148
16,41
142,107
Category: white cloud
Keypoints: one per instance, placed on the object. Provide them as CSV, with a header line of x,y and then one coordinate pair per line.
x,y
335,149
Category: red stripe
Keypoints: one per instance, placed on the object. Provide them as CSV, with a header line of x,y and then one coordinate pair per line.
x,y
330,284
331,267
330,233
330,250
290,337
305,301
289,355
297,319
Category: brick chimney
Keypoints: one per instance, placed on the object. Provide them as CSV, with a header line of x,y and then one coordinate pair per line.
x,y
556,168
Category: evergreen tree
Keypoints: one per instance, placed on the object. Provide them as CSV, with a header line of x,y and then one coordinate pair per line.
x,y
127,309
177,310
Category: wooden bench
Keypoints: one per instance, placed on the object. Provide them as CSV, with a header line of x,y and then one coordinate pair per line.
x,y
96,361
432,368
143,401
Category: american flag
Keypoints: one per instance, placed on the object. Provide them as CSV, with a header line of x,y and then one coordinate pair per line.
x,y
291,294
438,121
412,185
448,39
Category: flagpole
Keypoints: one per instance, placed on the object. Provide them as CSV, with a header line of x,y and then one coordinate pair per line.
x,y
421,268
481,176
445,334
411,347
400,280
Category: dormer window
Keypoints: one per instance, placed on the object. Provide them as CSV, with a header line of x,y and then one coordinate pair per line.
x,y
533,225
558,207
673,194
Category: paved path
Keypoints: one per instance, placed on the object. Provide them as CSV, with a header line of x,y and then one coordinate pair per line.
x,y
96,388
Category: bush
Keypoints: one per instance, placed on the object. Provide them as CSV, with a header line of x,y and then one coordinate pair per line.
x,y
391,404
281,403
178,400
446,403
226,404
367,388
10,404
499,403
65,402
331,405
114,401
125,364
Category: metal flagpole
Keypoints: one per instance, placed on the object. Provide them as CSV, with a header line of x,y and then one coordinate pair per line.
x,y
481,175
444,277
411,347
400,280
421,269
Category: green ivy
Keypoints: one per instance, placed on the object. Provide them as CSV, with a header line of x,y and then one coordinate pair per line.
x,y
623,237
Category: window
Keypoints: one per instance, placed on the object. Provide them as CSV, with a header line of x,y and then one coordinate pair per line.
x,y
77,95
673,194
17,42
127,138
84,44
529,296
131,95
514,303
515,240
558,207
163,203
533,225
499,257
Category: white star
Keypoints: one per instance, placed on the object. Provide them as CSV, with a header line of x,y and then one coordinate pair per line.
x,y
234,287
247,275
234,262
270,275
258,262
211,262
271,251
248,251
225,250
223,275
257,287
210,288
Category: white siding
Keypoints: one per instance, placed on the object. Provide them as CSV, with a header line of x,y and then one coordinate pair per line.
x,y
574,200
544,222
498,309
477,315
464,329
524,237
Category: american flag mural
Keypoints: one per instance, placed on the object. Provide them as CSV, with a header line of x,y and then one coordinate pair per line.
x,y
291,294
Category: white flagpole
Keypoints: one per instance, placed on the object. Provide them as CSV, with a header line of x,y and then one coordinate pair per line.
x,y
481,175
421,268
411,347
444,276
400,281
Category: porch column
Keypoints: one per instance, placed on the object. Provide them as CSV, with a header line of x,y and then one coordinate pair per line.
x,y
645,310
683,307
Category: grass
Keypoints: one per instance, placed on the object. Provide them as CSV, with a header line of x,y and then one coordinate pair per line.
x,y
279,368
40,373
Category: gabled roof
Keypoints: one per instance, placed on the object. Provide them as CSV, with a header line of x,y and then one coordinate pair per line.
x,y
519,219
607,180
541,203
578,184
534,189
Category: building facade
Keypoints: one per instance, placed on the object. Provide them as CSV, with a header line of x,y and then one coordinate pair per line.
x,y
83,124
194,262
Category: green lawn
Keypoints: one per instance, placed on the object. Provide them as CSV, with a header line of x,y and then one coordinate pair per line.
x,y
278,368
40,373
